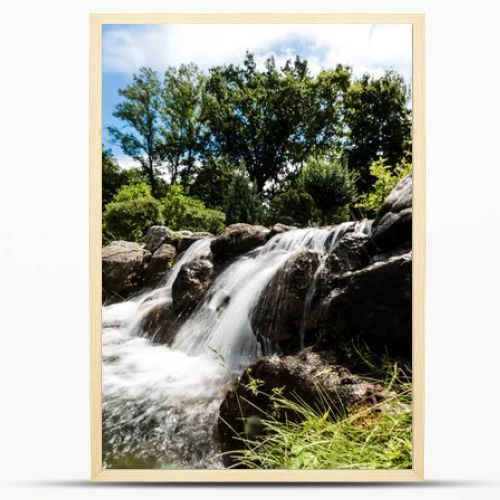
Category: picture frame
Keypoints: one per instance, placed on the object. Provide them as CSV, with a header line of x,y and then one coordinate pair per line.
x,y
98,473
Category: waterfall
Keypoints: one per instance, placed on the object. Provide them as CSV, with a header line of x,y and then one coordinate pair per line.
x,y
160,403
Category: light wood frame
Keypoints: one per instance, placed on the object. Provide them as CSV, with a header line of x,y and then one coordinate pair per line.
x,y
418,88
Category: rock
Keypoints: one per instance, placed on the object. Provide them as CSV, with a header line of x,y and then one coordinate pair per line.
x,y
159,324
122,269
236,240
192,282
186,241
279,229
373,305
156,236
392,227
159,264
309,377
353,251
280,307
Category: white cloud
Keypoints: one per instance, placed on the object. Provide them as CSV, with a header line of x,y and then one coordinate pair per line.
x,y
367,48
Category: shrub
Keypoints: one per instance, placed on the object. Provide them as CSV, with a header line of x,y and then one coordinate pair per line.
x,y
183,212
386,178
131,213
332,186
294,206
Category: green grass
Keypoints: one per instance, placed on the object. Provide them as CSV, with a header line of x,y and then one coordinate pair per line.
x,y
376,437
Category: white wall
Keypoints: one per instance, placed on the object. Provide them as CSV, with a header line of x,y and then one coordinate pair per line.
x,y
44,444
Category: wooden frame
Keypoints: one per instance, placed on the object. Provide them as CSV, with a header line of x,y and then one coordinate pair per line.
x,y
111,475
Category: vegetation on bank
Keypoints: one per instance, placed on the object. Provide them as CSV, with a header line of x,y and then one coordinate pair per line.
x,y
372,437
242,144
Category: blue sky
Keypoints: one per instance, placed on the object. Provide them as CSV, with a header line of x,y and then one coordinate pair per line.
x,y
367,48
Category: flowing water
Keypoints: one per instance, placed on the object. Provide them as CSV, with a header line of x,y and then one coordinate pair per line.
x,y
160,403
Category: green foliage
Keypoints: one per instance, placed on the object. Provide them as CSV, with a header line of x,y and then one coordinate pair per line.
x,y
183,212
243,202
196,127
386,178
379,123
295,207
113,177
131,213
332,186
140,138
368,437
212,182
184,135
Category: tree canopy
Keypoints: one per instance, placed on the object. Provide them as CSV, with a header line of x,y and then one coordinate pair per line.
x,y
307,141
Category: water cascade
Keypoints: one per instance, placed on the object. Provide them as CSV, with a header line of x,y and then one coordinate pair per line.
x,y
160,403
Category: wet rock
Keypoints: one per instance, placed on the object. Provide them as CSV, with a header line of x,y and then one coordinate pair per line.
x,y
122,269
392,227
352,252
373,305
156,236
279,229
192,282
160,263
158,323
309,377
236,240
186,241
280,308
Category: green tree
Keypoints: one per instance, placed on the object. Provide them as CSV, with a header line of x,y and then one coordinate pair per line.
x,y
331,184
212,181
243,204
131,213
379,123
140,136
183,132
255,116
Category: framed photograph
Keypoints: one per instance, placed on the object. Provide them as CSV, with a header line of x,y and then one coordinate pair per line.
x,y
257,247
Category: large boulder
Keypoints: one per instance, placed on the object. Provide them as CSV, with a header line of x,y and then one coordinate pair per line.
x,y
280,308
279,229
192,282
392,227
236,240
160,263
156,236
372,305
308,377
123,264
187,240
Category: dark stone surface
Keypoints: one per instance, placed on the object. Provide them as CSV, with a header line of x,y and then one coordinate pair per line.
x,y
192,282
392,227
236,240
160,263
156,236
280,308
307,376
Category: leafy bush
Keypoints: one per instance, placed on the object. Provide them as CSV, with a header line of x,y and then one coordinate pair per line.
x,y
294,206
131,213
183,212
386,178
332,186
